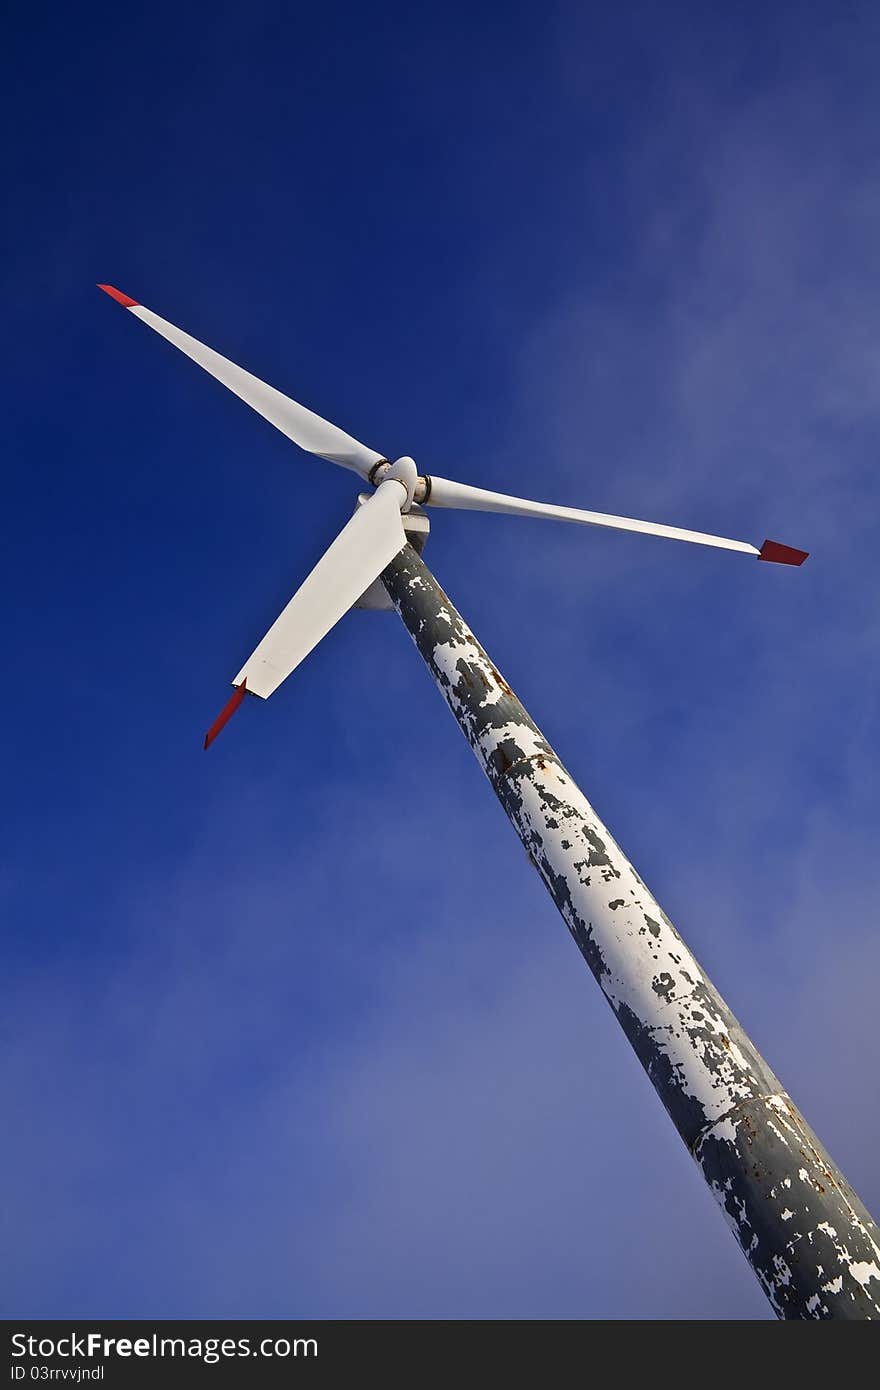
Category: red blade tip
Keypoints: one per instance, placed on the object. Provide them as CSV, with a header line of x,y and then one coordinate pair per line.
x,y
226,713
782,554
120,298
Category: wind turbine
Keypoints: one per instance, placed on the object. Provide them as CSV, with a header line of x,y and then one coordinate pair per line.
x,y
808,1238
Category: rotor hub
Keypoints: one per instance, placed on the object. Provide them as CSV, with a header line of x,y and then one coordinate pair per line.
x,y
402,471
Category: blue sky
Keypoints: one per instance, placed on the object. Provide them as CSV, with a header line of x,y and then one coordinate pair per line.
x,y
291,1028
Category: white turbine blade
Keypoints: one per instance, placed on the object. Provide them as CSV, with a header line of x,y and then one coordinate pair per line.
x,y
306,429
444,493
359,554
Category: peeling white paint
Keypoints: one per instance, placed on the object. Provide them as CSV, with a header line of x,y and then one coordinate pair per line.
x,y
731,1111
863,1272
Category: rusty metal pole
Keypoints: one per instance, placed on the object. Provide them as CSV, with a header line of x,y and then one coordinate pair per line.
x,y
808,1238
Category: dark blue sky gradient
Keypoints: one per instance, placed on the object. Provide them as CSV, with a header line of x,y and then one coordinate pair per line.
x,y
291,1029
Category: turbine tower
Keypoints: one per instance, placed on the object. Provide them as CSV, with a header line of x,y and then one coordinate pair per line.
x,y
809,1240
